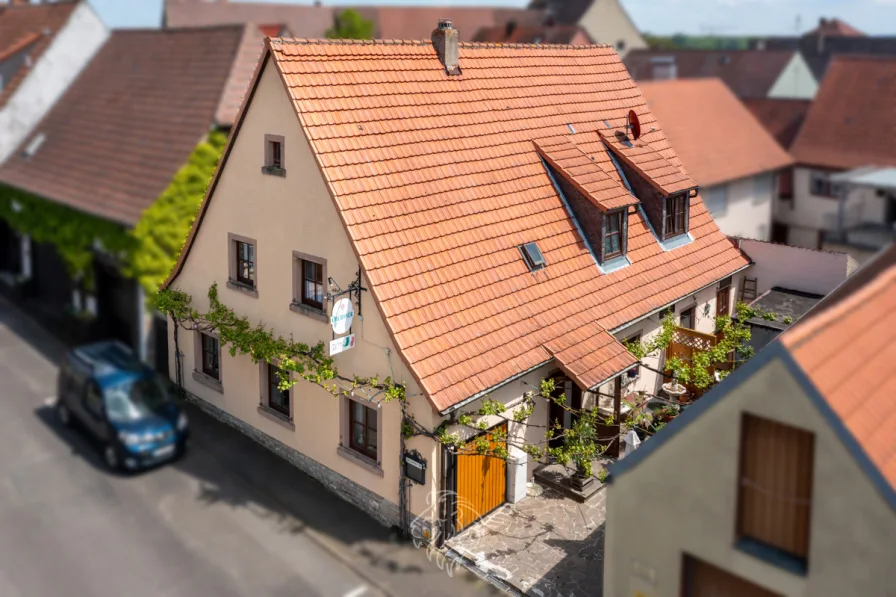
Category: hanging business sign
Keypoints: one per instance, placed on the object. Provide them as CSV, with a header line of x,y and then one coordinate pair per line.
x,y
342,344
343,313
415,467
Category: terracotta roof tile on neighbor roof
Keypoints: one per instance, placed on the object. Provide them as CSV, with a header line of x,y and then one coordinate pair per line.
x,y
32,27
662,174
129,121
782,118
834,27
580,170
438,182
251,46
749,73
847,351
716,137
852,121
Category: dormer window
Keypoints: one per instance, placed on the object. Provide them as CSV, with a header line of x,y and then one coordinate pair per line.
x,y
614,234
676,220
533,257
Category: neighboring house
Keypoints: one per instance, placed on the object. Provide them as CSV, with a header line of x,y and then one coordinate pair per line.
x,y
499,239
748,73
605,21
782,118
849,125
831,38
781,481
541,34
722,147
109,147
43,47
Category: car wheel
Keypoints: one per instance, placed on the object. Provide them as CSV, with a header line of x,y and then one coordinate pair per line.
x,y
110,455
63,414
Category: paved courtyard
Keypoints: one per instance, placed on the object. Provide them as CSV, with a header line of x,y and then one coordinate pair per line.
x,y
547,545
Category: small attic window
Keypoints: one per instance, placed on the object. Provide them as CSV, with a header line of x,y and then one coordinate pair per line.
x,y
532,255
34,145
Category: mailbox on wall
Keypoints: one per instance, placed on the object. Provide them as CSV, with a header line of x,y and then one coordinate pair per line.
x,y
415,467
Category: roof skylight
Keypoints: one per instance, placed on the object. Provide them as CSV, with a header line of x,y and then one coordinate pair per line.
x,y
532,255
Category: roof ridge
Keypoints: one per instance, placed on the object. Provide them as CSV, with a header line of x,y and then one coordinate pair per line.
x,y
424,42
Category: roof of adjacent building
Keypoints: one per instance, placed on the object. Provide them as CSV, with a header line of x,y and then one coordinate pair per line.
x,y
312,21
250,48
818,51
565,12
852,121
784,303
782,118
847,351
115,139
438,182
30,27
834,27
716,137
841,353
538,34
748,73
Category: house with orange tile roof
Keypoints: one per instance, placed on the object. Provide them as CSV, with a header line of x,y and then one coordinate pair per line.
x,y
782,479
848,127
43,47
500,221
722,146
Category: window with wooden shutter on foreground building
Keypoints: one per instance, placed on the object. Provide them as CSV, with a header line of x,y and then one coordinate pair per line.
x,y
775,488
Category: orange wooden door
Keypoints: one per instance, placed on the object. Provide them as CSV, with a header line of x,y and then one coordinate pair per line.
x,y
481,485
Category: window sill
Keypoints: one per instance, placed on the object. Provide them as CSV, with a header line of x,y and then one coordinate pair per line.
x,y
361,460
244,288
772,555
308,311
273,171
276,416
208,381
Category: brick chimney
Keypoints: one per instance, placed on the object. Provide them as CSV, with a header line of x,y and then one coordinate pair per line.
x,y
445,41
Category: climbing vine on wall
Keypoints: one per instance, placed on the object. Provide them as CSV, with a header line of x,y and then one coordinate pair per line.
x,y
71,231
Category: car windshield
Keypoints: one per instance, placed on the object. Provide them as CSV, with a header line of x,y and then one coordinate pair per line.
x,y
134,399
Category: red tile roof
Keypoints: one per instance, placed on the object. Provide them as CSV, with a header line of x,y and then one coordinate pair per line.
x,y
662,174
782,118
852,121
580,170
129,121
438,183
29,25
834,27
748,73
847,348
716,137
251,46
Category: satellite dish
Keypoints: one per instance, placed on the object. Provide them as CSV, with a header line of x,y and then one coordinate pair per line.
x,y
634,125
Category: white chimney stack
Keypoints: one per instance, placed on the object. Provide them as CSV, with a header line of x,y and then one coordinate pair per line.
x,y
445,41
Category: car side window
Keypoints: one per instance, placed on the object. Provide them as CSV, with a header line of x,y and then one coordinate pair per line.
x,y
93,399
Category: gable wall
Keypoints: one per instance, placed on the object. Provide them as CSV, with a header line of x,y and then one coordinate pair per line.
x,y
795,81
283,215
607,22
681,499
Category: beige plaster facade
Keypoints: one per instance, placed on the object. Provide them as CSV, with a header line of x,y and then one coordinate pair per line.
x,y
681,500
607,22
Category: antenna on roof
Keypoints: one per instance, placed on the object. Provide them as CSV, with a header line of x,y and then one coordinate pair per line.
x,y
633,124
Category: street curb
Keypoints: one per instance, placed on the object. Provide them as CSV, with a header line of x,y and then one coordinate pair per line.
x,y
493,580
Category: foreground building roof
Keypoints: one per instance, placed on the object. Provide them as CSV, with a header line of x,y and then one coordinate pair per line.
x,y
716,137
852,121
438,180
29,28
748,73
114,140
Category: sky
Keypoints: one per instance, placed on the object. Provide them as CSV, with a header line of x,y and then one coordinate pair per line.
x,y
717,17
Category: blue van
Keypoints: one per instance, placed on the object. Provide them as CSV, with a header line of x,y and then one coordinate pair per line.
x,y
122,403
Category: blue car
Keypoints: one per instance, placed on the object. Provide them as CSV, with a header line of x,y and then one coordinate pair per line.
x,y
123,404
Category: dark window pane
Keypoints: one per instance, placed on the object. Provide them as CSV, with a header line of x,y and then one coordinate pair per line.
x,y
245,263
210,364
312,284
277,399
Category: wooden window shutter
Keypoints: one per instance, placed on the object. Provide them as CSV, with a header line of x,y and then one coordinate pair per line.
x,y
775,485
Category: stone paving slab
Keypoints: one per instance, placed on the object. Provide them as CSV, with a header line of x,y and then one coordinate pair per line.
x,y
546,546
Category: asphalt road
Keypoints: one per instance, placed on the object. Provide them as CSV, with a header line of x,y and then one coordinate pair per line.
x,y
230,519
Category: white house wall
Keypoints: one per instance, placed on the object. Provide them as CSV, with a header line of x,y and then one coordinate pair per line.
x,y
682,499
795,81
796,268
69,52
749,207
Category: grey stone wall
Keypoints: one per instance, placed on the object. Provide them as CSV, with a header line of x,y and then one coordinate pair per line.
x,y
382,510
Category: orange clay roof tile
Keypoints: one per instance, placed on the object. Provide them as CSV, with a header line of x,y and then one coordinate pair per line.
x,y
439,183
647,161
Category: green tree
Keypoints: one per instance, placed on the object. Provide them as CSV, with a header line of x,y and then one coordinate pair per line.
x,y
162,230
350,25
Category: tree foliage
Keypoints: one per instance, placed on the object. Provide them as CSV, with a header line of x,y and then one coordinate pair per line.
x,y
162,230
350,25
